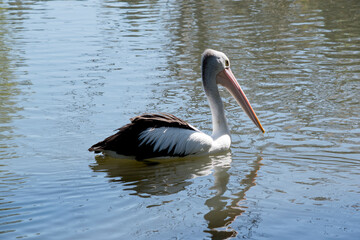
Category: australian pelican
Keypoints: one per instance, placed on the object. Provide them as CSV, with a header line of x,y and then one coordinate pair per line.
x,y
164,135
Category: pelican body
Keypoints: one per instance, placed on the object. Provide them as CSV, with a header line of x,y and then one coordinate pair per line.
x,y
164,135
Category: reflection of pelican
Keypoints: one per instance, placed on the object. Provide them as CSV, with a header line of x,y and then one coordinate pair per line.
x,y
150,178
161,135
223,214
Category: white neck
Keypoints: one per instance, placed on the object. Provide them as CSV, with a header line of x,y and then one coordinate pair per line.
x,y
220,126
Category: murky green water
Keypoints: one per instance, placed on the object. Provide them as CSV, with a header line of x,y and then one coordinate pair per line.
x,y
72,71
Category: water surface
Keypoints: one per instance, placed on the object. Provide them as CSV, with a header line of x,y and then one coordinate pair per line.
x,y
72,71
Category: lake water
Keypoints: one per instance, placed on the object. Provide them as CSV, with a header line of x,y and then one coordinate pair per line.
x,y
73,71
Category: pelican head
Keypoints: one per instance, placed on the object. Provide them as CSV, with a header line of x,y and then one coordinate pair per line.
x,y
216,70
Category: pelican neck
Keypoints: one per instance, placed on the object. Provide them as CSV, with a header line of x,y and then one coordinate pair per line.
x,y
219,122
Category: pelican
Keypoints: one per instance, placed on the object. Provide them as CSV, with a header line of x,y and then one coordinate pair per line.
x,y
164,135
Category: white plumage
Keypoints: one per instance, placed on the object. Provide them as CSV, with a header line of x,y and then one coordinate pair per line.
x,y
177,140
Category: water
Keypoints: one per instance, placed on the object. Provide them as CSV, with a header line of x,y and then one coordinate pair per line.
x,y
72,71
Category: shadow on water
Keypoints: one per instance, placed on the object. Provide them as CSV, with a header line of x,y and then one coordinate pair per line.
x,y
225,210
166,177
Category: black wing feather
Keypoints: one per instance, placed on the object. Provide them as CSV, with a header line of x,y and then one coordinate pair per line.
x,y
126,140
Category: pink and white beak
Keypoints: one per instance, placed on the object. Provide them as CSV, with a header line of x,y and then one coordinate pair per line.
x,y
227,79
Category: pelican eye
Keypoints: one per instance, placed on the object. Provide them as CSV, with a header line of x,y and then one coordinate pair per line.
x,y
227,63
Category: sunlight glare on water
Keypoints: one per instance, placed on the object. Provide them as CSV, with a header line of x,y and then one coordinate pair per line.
x,y
73,71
